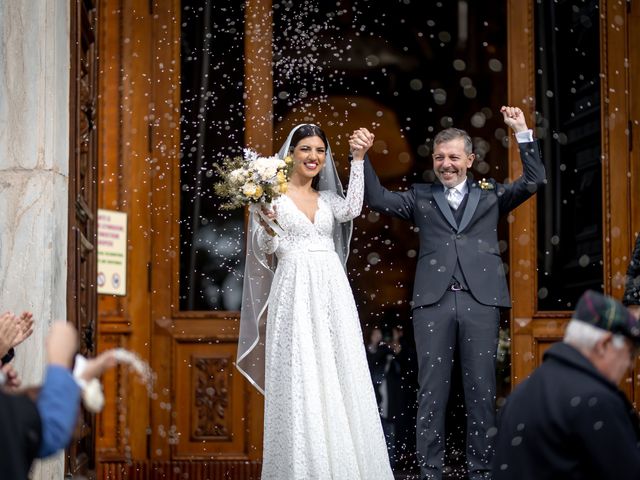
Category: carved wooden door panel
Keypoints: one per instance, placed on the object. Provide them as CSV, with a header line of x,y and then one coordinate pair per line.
x,y
81,294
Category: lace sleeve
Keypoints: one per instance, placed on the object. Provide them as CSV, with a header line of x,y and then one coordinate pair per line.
x,y
345,209
266,243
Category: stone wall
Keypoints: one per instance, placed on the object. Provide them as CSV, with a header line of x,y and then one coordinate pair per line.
x,y
34,161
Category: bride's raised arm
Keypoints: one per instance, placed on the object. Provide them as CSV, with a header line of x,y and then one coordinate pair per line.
x,y
345,209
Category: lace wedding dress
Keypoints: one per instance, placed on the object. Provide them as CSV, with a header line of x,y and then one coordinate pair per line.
x,y
321,418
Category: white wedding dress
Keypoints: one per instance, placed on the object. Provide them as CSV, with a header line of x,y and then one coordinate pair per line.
x,y
321,419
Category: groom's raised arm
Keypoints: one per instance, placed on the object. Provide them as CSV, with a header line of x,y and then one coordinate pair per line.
x,y
378,198
533,171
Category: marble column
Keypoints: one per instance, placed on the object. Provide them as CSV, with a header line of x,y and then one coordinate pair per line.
x,y
34,174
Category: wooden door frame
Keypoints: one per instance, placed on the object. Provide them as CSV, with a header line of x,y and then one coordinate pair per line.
x,y
82,196
175,331
633,102
124,29
533,330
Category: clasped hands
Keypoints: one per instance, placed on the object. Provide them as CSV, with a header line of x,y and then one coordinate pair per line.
x,y
360,141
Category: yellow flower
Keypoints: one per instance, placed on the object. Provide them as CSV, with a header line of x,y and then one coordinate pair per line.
x,y
485,185
249,189
283,187
288,159
258,193
281,177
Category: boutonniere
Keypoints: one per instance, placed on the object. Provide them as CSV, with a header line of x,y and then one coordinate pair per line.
x,y
486,185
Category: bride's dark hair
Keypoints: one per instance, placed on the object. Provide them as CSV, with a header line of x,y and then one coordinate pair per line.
x,y
309,131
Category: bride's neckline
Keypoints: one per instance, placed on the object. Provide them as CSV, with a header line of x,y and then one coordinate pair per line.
x,y
315,212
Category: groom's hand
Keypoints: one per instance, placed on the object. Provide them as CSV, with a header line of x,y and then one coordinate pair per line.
x,y
514,118
360,142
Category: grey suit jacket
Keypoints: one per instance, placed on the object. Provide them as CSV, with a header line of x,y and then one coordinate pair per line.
x,y
473,242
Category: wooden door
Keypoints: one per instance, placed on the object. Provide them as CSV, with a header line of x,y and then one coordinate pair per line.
x,y
215,414
81,295
202,418
587,130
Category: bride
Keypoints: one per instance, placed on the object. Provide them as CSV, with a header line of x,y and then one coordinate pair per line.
x,y
307,356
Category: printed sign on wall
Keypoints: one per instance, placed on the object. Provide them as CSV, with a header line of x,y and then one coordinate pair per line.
x,y
112,252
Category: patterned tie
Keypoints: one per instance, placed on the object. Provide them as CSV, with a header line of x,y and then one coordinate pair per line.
x,y
453,197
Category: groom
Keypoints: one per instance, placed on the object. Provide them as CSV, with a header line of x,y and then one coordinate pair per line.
x,y
460,284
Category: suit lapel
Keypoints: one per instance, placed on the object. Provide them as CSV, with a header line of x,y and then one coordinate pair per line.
x,y
472,204
443,205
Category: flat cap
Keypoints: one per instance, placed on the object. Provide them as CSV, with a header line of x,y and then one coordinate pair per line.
x,y
607,313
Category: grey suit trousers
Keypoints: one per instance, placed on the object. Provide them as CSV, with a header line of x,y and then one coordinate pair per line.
x,y
457,318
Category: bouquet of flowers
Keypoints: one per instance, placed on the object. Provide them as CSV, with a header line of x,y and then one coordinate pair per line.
x,y
252,180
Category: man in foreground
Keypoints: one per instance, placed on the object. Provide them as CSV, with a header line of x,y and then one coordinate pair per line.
x,y
569,419
40,421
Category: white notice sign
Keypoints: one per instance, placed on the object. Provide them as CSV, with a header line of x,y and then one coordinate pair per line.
x,y
112,252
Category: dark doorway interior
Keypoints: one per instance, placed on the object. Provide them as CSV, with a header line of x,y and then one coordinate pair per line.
x,y
570,239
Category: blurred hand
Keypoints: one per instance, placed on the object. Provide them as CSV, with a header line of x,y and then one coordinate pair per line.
x,y
61,344
12,381
397,335
360,142
25,328
635,310
514,118
9,331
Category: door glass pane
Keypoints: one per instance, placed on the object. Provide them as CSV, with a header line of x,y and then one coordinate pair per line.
x,y
568,124
212,123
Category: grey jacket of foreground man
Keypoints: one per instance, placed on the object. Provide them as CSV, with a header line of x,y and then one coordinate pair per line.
x,y
473,242
567,421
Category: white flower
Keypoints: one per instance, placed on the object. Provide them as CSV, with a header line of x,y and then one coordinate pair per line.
x,y
250,155
237,176
249,189
265,167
